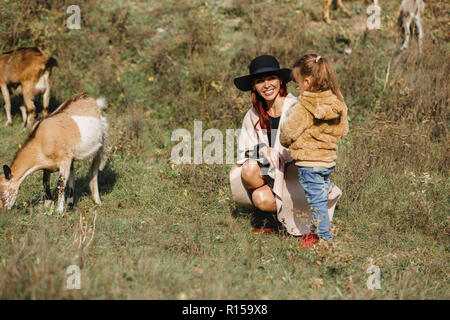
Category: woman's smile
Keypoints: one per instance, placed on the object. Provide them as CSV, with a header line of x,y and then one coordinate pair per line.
x,y
268,87
269,92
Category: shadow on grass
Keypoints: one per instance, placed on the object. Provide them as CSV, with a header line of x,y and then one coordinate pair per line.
x,y
258,218
106,180
241,212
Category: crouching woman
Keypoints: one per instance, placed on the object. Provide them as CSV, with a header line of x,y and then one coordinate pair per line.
x,y
264,177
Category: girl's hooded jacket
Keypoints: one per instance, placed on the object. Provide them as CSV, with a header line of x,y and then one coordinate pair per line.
x,y
313,127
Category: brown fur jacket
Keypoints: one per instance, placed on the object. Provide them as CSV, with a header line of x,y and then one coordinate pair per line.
x,y
313,127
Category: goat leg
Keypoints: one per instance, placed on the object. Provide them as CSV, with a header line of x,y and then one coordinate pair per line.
x,y
70,197
5,93
326,11
48,194
46,95
23,111
406,27
340,5
28,98
93,174
64,173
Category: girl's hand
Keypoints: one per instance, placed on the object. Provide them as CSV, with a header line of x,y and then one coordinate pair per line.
x,y
273,156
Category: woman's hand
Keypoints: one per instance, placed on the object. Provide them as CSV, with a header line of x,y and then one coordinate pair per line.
x,y
273,156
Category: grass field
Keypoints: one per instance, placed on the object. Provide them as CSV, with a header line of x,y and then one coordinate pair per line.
x,y
167,231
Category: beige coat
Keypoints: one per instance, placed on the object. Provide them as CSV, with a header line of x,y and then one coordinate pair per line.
x,y
293,210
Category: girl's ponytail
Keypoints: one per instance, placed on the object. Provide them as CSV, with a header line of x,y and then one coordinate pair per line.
x,y
320,70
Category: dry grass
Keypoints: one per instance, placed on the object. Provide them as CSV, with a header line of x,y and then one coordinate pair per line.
x,y
171,231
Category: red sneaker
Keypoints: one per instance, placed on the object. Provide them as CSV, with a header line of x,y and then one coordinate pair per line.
x,y
307,240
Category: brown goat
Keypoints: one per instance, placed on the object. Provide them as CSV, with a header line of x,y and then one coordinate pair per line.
x,y
28,69
75,131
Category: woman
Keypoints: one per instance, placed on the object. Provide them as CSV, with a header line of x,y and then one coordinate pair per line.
x,y
263,177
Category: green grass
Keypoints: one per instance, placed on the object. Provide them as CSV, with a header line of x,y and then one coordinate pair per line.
x,y
168,231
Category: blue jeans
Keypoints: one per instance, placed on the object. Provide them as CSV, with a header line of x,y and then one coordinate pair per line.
x,y
316,183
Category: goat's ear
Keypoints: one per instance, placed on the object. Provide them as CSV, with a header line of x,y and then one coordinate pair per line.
x,y
7,171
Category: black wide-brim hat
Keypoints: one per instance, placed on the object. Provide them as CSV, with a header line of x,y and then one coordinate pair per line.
x,y
259,67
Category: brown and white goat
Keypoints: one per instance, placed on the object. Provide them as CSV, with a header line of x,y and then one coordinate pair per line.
x,y
411,10
75,131
28,69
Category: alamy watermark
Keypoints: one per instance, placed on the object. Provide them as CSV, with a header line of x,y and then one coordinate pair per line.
x,y
374,279
213,153
74,277
74,20
374,20
190,149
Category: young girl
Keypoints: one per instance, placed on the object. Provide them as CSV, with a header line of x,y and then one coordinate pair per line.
x,y
311,130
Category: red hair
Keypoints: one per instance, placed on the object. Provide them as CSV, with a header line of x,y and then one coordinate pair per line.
x,y
260,106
